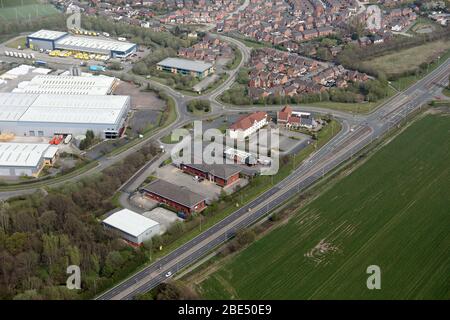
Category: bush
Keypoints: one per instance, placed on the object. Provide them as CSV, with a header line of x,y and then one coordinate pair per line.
x,y
200,105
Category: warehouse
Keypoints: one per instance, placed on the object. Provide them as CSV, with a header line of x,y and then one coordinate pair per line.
x,y
44,39
25,159
46,115
198,69
221,174
132,226
51,40
178,198
71,85
115,49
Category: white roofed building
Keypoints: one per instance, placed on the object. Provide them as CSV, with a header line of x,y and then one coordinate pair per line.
x,y
51,40
46,115
195,68
25,159
79,85
132,226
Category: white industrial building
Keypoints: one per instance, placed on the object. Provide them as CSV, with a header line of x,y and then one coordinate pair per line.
x,y
132,226
51,40
25,159
71,85
46,115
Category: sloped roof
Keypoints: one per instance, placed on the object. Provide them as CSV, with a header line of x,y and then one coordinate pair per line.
x,y
284,113
130,222
223,171
180,195
246,122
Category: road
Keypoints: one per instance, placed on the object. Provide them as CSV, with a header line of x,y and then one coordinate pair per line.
x,y
342,147
183,117
357,132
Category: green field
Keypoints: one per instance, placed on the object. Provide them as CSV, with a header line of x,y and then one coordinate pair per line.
x,y
31,9
408,59
393,212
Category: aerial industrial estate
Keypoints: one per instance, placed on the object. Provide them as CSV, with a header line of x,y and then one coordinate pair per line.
x,y
231,150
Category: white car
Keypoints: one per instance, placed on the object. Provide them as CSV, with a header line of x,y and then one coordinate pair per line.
x,y
168,274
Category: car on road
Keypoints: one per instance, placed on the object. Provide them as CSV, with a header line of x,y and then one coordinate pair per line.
x,y
168,274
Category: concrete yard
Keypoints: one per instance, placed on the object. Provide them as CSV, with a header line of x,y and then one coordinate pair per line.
x,y
164,217
208,189
174,175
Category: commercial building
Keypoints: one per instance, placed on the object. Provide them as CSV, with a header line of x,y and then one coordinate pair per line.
x,y
194,68
248,125
45,39
70,85
51,40
293,119
240,156
47,115
25,159
178,198
221,174
132,226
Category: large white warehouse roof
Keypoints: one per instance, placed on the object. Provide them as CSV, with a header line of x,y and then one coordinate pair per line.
x,y
23,154
62,108
52,84
93,44
130,222
47,34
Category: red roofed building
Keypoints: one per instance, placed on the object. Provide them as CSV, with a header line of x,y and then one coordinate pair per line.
x,y
289,119
247,125
283,115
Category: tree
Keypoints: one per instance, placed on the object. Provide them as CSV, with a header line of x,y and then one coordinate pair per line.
x,y
174,290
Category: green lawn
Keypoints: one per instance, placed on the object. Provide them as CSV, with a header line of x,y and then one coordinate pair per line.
x,y
27,11
393,212
14,44
363,107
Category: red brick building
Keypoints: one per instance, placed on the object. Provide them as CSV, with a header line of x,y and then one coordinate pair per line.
x,y
221,174
178,198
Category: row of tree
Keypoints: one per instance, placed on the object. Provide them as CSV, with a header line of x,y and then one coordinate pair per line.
x,y
371,90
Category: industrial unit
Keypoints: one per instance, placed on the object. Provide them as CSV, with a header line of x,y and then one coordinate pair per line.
x,y
194,68
181,199
132,226
56,40
79,85
221,174
46,115
25,159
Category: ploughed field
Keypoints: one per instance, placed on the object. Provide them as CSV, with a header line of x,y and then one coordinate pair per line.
x,y
393,212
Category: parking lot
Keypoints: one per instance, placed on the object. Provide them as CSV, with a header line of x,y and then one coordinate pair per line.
x,y
172,174
164,217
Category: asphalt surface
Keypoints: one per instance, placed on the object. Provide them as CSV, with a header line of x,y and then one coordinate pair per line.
x,y
342,147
